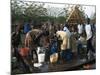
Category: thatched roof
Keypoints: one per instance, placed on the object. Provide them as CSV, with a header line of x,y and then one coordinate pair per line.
x,y
75,16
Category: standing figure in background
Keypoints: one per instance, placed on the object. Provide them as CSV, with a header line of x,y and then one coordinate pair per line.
x,y
80,28
67,30
27,27
16,41
89,34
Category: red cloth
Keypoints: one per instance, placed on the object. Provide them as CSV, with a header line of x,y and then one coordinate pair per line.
x,y
24,51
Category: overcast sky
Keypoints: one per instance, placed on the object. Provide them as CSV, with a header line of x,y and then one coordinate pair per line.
x,y
89,10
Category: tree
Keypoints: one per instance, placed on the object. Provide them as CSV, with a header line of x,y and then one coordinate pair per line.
x,y
16,10
26,10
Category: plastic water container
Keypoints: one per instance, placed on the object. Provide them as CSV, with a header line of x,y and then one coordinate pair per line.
x,y
41,54
41,58
54,58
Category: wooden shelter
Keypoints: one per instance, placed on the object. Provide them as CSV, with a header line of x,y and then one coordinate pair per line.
x,y
75,16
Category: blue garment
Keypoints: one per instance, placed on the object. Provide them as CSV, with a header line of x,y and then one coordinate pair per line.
x,y
27,27
53,48
66,54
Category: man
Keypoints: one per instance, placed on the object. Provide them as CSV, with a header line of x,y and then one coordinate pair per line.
x,y
89,36
16,40
67,30
80,29
27,27
64,43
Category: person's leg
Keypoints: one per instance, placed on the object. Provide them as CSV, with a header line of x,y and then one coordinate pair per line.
x,y
34,56
20,60
79,48
68,55
30,54
88,47
27,64
17,55
47,55
63,55
91,46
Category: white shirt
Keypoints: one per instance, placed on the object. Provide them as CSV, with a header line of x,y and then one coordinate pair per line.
x,y
67,31
88,31
80,28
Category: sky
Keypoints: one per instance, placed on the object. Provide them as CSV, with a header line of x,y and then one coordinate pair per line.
x,y
89,10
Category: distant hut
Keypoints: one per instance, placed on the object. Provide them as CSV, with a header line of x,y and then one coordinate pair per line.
x,y
75,16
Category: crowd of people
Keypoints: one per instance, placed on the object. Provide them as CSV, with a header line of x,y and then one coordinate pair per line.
x,y
54,38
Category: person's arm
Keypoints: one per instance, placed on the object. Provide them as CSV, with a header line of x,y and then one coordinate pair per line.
x,y
64,43
27,40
